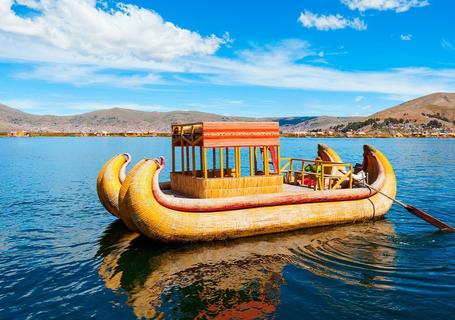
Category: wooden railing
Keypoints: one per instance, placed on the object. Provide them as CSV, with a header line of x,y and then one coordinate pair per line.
x,y
319,174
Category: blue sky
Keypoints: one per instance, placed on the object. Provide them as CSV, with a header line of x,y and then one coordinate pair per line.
x,y
251,58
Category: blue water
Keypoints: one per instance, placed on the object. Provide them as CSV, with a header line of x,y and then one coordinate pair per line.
x,y
63,255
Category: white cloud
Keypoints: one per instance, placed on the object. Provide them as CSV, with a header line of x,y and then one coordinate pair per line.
x,y
79,43
383,5
89,75
406,37
330,22
262,69
284,65
81,28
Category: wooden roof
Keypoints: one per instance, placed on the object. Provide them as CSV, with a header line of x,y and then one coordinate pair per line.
x,y
228,134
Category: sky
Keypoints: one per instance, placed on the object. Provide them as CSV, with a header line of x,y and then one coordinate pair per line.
x,y
248,58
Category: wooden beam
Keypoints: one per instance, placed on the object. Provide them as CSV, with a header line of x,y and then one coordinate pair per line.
x,y
187,158
239,171
182,154
278,156
201,161
173,158
251,162
197,141
341,179
213,162
188,141
236,163
227,158
193,155
204,161
255,160
266,160
221,163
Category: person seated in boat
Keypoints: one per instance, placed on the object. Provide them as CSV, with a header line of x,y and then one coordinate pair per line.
x,y
313,171
359,176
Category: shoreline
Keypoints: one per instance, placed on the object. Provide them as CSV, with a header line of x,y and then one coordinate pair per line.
x,y
24,134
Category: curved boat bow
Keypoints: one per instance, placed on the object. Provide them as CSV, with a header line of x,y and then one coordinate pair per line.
x,y
110,179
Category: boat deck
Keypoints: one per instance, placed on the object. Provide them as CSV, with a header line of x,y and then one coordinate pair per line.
x,y
299,189
287,188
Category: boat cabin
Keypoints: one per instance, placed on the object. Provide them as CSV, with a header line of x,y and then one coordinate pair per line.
x,y
207,159
228,159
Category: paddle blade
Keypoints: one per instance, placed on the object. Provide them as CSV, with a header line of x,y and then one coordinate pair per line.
x,y
430,219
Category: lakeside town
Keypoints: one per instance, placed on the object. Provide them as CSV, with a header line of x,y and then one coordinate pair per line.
x,y
429,116
295,134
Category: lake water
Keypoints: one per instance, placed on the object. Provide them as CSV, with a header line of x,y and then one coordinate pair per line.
x,y
63,255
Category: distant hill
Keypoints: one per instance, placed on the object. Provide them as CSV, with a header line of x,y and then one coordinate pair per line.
x,y
111,120
421,110
431,112
321,123
119,120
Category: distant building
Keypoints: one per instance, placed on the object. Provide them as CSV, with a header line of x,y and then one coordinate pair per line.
x,y
20,133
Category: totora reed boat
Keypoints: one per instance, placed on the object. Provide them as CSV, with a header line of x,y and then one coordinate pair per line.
x,y
223,199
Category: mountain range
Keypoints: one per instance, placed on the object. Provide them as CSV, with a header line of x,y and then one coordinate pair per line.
x,y
432,112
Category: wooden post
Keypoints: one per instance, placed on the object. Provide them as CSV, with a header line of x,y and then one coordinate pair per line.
x,y
322,186
173,158
255,160
227,158
182,154
187,159
251,162
237,161
221,163
266,160
193,155
213,162
278,156
201,161
204,161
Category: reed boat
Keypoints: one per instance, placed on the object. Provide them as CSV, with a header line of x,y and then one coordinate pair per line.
x,y
224,199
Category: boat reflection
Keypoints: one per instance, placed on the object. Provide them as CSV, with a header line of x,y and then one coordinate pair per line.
x,y
239,278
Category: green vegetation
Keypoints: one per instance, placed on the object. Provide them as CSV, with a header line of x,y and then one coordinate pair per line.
x,y
354,126
433,124
436,116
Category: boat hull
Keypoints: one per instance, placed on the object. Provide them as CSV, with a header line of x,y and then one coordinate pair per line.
x,y
137,202
159,222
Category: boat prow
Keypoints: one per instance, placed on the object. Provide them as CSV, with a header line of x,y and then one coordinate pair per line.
x,y
109,182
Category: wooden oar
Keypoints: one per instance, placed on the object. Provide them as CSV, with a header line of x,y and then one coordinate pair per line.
x,y
416,211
